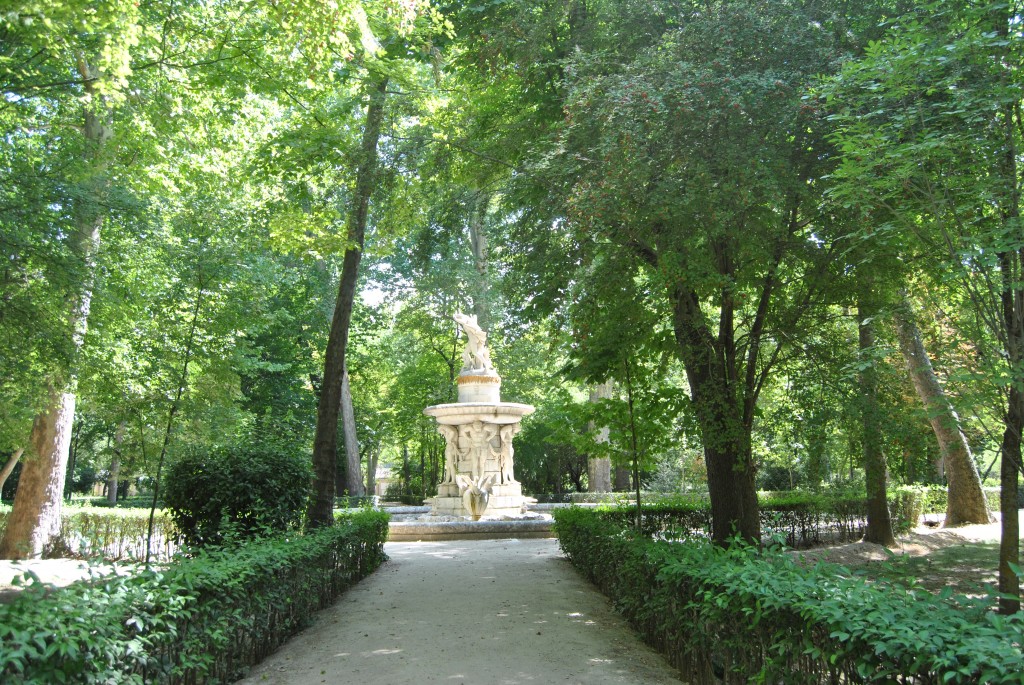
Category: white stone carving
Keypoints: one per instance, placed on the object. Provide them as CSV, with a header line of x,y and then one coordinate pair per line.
x,y
478,431
476,493
505,452
476,357
479,435
451,451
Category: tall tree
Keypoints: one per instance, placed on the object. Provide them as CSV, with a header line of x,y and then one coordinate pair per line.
x,y
879,524
965,501
929,125
325,450
36,515
691,168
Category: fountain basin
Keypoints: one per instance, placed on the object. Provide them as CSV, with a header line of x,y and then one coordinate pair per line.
x,y
412,531
461,413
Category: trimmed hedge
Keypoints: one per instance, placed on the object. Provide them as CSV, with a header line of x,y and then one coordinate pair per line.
x,y
203,619
740,615
114,534
799,519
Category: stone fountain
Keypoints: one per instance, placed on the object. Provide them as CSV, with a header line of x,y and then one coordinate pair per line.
x,y
479,478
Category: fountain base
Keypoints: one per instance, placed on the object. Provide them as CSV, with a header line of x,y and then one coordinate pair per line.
x,y
505,500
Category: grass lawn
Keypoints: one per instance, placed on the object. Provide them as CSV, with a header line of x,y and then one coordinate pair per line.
x,y
963,559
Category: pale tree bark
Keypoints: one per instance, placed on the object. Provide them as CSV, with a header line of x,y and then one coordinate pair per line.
x,y
599,469
623,479
965,499
36,515
372,458
481,253
879,526
325,443
353,474
5,473
115,466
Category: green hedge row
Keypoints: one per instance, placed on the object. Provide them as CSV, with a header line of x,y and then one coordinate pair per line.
x,y
114,534
740,615
203,619
798,519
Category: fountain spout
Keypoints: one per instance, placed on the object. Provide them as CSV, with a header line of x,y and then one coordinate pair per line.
x,y
475,494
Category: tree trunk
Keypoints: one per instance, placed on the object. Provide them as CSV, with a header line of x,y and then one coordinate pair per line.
x,y
115,466
879,525
481,253
1009,472
36,513
325,444
965,499
599,469
353,472
722,416
734,508
623,479
69,477
727,454
1012,301
5,473
371,470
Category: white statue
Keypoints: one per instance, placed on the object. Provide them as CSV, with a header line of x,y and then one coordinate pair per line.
x,y
476,356
451,451
480,435
505,452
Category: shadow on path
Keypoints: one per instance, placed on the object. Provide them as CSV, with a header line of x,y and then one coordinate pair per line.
x,y
485,611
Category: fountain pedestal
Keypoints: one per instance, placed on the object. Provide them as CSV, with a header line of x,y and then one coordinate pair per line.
x,y
479,478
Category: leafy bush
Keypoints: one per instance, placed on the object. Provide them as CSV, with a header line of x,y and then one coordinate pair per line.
x,y
203,619
740,615
238,492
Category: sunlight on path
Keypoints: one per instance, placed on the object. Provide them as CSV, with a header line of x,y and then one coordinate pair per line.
x,y
483,611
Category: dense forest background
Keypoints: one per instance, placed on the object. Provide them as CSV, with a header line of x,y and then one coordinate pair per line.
x,y
727,246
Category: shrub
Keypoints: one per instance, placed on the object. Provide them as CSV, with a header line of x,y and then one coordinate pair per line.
x,y
202,619
239,492
739,615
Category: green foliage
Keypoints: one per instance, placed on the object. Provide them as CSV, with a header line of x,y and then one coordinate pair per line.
x,y
795,518
741,615
236,492
203,619
112,534
115,534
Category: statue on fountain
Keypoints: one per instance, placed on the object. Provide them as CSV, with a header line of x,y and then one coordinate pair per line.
x,y
476,357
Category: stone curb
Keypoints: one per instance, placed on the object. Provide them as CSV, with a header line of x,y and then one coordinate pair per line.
x,y
410,531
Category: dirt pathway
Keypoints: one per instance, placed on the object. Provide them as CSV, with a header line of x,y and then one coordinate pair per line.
x,y
483,612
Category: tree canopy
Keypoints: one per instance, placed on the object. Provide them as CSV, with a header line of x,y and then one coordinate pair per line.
x,y
228,225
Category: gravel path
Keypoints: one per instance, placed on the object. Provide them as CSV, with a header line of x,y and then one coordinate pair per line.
x,y
477,612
